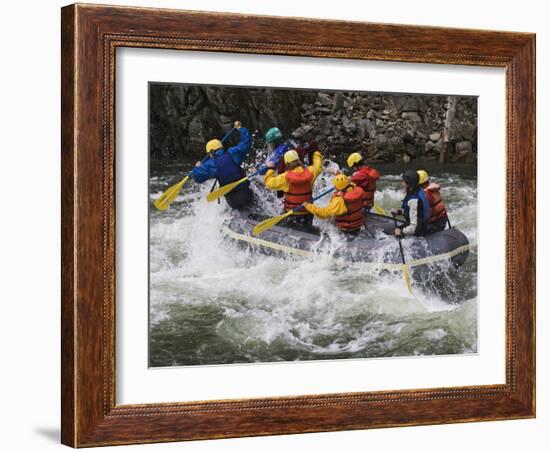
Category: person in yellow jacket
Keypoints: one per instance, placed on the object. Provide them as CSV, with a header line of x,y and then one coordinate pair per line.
x,y
345,206
296,183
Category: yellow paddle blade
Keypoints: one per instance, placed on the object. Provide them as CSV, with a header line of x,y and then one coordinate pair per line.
x,y
269,223
407,277
164,200
379,210
222,191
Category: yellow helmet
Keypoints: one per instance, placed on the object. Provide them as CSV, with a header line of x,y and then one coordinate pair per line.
x,y
422,176
341,181
354,158
291,156
213,145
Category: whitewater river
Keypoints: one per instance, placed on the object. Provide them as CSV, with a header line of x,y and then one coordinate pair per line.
x,y
212,302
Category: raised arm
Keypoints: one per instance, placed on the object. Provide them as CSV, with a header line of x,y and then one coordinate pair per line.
x,y
317,167
239,152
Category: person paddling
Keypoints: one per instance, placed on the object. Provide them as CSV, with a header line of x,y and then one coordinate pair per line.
x,y
438,214
415,207
345,206
296,183
225,166
365,177
278,146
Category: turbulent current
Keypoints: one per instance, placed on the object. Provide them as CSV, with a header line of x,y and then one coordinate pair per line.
x,y
213,302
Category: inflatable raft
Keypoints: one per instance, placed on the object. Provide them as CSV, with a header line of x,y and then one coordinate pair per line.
x,y
371,247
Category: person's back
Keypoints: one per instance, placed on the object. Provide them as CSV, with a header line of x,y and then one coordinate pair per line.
x,y
353,219
414,207
225,166
364,177
300,188
296,183
345,206
438,218
279,146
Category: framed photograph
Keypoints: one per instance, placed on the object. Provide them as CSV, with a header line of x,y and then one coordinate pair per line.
x,y
269,232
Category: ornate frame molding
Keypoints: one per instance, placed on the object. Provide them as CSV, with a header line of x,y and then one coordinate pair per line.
x,y
90,36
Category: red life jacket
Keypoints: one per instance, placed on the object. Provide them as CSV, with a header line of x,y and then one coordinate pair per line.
x,y
366,177
354,218
437,208
300,189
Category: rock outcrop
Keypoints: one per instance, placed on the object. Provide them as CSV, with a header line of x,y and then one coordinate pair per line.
x,y
384,127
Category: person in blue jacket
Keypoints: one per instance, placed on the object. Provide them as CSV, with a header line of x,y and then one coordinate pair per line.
x,y
415,207
225,166
278,147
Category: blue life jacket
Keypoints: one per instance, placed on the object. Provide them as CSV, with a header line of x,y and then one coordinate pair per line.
x,y
227,170
421,196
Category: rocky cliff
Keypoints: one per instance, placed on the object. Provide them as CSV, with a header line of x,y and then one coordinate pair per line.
x,y
385,127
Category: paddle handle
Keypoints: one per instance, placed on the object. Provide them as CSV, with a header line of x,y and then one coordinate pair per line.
x,y
319,196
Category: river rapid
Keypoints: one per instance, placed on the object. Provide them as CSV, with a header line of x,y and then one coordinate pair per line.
x,y
212,302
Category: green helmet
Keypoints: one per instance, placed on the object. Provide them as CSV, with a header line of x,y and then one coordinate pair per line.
x,y
273,135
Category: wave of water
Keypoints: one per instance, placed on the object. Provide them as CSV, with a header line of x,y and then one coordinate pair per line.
x,y
212,302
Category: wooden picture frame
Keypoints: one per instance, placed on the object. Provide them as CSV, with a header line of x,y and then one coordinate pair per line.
x,y
90,36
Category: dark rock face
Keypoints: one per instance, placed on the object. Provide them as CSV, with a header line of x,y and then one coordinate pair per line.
x,y
384,127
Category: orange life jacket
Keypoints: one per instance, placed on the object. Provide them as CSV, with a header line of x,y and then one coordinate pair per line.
x,y
300,189
437,208
366,177
354,218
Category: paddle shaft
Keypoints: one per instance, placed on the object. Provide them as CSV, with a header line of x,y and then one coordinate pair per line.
x,y
398,237
214,185
383,216
255,173
320,195
270,222
163,201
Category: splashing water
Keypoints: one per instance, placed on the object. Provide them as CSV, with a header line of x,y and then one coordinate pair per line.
x,y
212,302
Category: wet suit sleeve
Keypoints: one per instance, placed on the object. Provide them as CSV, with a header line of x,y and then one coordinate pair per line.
x,y
275,157
205,171
317,167
336,207
278,153
240,151
410,229
278,182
